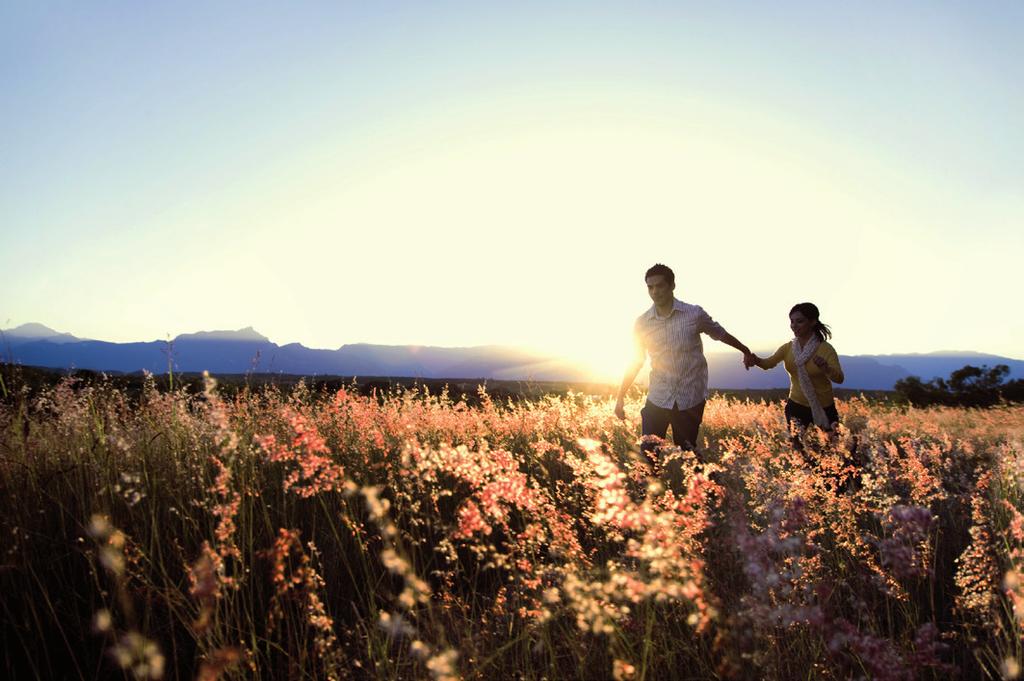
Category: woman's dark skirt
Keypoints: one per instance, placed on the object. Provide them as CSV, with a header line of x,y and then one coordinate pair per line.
x,y
803,417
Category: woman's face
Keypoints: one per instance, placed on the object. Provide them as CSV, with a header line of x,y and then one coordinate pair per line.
x,y
801,326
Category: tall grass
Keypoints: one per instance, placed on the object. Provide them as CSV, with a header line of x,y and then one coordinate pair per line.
x,y
327,536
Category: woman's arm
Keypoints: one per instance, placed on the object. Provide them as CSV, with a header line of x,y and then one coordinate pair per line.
x,y
769,362
828,361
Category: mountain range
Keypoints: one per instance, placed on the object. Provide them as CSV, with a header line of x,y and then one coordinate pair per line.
x,y
245,350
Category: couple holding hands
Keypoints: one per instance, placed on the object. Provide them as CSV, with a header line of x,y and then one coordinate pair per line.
x,y
669,332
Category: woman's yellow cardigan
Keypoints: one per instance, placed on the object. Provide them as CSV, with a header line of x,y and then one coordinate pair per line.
x,y
822,382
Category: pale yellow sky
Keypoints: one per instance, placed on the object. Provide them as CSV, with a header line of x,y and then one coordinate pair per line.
x,y
331,191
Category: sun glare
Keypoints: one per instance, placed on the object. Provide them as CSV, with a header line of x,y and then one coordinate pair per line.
x,y
527,208
606,360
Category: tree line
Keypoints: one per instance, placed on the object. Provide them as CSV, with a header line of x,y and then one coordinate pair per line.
x,y
969,386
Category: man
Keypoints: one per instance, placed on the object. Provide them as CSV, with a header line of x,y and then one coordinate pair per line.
x,y
670,333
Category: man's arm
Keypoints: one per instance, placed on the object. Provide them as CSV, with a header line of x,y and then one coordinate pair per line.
x,y
709,326
627,381
637,363
731,341
749,358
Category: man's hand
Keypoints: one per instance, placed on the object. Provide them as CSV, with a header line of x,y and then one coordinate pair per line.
x,y
620,409
749,360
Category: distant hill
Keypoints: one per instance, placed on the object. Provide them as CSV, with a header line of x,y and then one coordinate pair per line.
x,y
246,350
235,352
27,333
863,372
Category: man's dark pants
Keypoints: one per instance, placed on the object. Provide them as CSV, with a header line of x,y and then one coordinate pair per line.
x,y
655,420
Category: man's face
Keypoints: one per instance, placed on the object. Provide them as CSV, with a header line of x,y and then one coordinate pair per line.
x,y
659,289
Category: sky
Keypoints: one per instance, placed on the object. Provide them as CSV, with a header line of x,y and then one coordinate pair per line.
x,y
468,173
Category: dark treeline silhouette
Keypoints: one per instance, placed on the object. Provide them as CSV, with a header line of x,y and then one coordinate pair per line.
x,y
970,386
21,383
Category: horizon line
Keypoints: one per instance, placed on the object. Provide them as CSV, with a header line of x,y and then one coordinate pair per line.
x,y
525,348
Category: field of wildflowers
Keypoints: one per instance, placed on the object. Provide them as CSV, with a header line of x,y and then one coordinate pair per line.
x,y
293,535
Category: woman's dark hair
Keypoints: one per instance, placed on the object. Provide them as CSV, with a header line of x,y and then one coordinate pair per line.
x,y
664,271
810,311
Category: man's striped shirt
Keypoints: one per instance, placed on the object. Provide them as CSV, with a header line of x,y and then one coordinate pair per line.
x,y
679,371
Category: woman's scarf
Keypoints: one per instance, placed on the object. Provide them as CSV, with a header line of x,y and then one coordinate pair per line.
x,y
801,358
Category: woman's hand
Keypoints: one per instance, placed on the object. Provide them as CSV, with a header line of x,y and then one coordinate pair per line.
x,y
823,365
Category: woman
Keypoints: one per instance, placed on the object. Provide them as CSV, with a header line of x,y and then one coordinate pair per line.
x,y
813,367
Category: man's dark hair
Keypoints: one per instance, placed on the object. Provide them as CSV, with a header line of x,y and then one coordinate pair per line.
x,y
663,270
